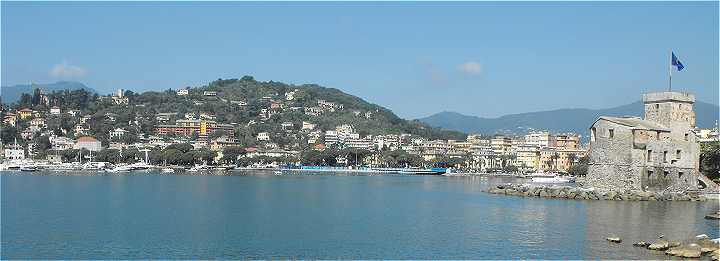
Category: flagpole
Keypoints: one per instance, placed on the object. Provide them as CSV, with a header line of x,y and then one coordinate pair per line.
x,y
670,73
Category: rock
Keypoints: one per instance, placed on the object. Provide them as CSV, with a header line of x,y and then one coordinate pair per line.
x,y
690,251
673,251
641,244
705,250
611,195
614,239
543,193
674,244
660,245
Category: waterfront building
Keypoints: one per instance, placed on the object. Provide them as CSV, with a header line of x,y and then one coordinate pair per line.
x,y
657,153
201,127
358,143
501,144
527,158
569,141
210,93
540,139
14,152
61,143
88,143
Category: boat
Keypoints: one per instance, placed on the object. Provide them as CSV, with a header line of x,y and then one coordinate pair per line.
x,y
132,167
167,170
553,179
277,173
197,168
29,168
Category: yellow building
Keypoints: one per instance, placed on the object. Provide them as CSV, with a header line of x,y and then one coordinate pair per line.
x,y
527,158
24,113
559,160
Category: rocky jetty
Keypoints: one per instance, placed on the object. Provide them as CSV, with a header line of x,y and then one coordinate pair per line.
x,y
566,192
696,248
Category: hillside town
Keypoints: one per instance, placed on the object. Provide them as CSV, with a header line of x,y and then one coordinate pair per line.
x,y
301,142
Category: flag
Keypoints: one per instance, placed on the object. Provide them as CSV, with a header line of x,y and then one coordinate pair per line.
x,y
676,62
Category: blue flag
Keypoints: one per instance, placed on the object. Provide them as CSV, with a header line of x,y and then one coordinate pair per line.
x,y
676,62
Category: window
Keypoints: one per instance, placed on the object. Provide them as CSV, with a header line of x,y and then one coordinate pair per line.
x,y
657,135
680,174
665,156
677,154
657,106
649,174
665,174
612,133
649,156
687,137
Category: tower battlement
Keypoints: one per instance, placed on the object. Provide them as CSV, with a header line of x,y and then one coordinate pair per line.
x,y
660,97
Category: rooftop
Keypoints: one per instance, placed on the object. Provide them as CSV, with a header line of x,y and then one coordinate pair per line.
x,y
635,123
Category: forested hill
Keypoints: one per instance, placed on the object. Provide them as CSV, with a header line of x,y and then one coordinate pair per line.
x,y
367,118
252,106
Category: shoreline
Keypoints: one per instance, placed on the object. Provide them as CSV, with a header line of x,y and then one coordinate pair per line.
x,y
577,193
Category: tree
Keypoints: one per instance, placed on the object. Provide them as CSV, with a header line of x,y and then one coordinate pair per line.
x,y
230,154
580,168
710,160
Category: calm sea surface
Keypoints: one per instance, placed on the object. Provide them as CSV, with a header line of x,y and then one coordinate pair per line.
x,y
321,216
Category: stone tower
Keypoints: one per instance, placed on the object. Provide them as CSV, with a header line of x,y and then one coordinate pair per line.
x,y
671,109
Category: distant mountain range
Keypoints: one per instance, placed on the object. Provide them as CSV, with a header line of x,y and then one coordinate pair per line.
x,y
562,120
12,93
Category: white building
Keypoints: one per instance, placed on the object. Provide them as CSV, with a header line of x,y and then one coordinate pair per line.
x,y
117,133
88,143
183,92
14,152
263,136
55,110
307,125
540,139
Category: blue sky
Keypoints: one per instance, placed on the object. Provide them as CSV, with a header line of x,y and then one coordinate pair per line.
x,y
416,58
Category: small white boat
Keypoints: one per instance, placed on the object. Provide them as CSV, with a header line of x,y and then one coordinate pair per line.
x,y
277,173
167,170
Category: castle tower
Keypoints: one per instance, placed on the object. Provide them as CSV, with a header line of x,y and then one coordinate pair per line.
x,y
671,109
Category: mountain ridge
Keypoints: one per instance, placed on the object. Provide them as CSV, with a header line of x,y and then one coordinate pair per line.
x,y
575,120
12,93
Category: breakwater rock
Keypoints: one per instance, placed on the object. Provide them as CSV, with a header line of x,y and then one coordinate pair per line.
x,y
567,192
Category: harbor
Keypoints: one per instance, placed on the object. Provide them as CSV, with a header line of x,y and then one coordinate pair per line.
x,y
324,215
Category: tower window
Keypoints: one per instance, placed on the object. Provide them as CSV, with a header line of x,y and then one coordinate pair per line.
x,y
665,174
649,174
665,156
686,137
649,156
657,106
677,154
680,174
612,133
